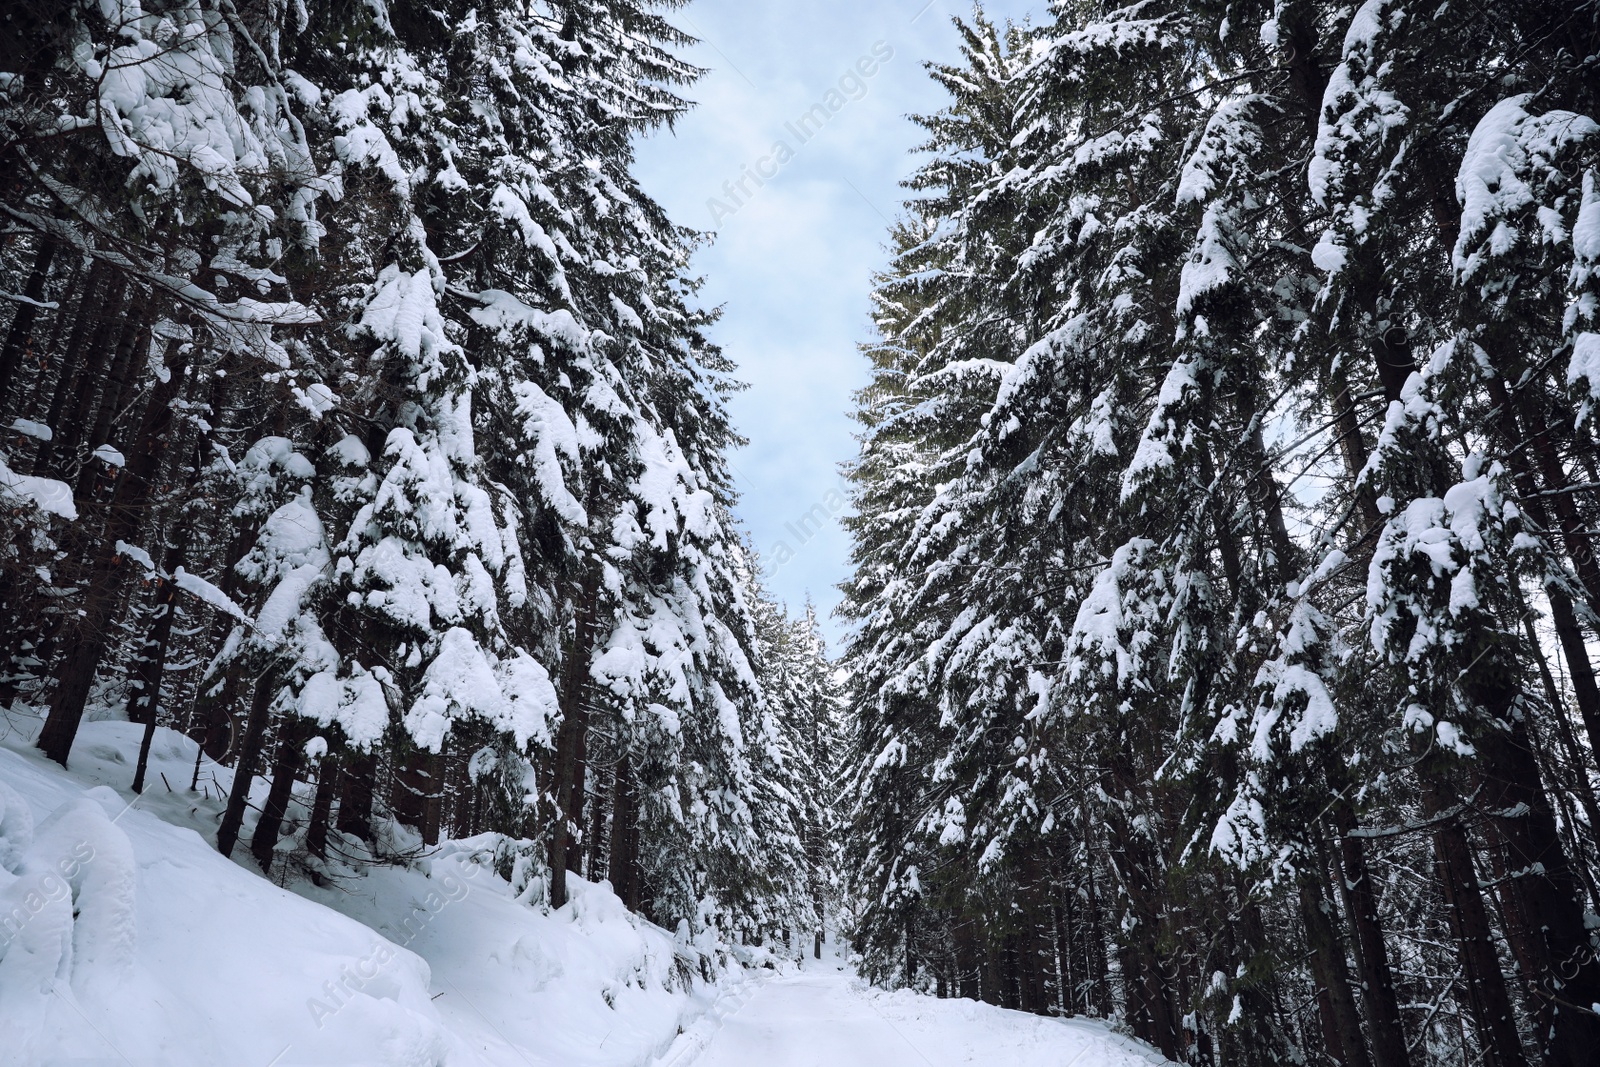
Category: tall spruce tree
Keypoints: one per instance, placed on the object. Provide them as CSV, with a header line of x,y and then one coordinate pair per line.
x,y
1285,438
346,331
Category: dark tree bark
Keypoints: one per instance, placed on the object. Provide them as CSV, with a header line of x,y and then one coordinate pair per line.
x,y
1575,532
1336,1004
322,806
570,737
594,865
1063,946
967,982
1561,728
1488,1001
77,668
1545,924
1134,996
1097,961
1530,483
911,949
84,320
417,793
144,681
1372,954
114,397
579,797
358,785
244,770
19,337
211,722
285,767
151,662
622,863
69,440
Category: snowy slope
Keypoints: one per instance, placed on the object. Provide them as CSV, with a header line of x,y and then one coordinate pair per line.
x,y
220,966
177,956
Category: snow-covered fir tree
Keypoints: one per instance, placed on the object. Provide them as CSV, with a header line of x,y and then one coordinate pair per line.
x,y
1228,669
345,337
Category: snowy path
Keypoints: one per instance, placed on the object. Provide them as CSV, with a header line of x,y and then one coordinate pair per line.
x,y
807,1019
827,1019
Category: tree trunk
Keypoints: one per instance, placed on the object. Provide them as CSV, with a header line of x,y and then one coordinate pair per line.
x,y
594,866
1097,961
624,880
68,441
1561,727
19,338
322,806
358,775
967,964
286,765
1136,1007
1580,670
1545,922
86,318
104,581
145,697
1353,450
1372,954
113,398
1575,533
144,683
569,739
1064,974
1528,482
1151,983
1336,1004
244,770
579,798
1488,1001
211,720
417,793
911,951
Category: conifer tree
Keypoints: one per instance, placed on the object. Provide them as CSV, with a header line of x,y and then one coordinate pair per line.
x,y
347,332
1287,445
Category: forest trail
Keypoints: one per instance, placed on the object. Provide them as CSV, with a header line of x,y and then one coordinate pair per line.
x,y
826,1017
432,965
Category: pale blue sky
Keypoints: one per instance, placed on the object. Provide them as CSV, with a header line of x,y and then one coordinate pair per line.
x,y
792,262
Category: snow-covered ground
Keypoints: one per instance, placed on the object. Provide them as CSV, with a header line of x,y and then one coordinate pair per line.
x,y
126,938
177,956
826,1017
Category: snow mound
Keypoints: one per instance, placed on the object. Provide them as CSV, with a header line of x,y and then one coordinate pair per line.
x,y
126,937
66,912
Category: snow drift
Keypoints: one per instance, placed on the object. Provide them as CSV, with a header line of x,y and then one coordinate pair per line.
x,y
126,937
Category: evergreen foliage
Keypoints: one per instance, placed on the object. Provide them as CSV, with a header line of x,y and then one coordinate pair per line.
x,y
1224,579
361,422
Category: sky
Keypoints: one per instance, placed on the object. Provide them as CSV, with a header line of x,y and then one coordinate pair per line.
x,y
797,244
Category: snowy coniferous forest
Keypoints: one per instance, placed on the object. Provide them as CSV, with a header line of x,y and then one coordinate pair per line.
x,y
1225,606
361,425
1225,577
